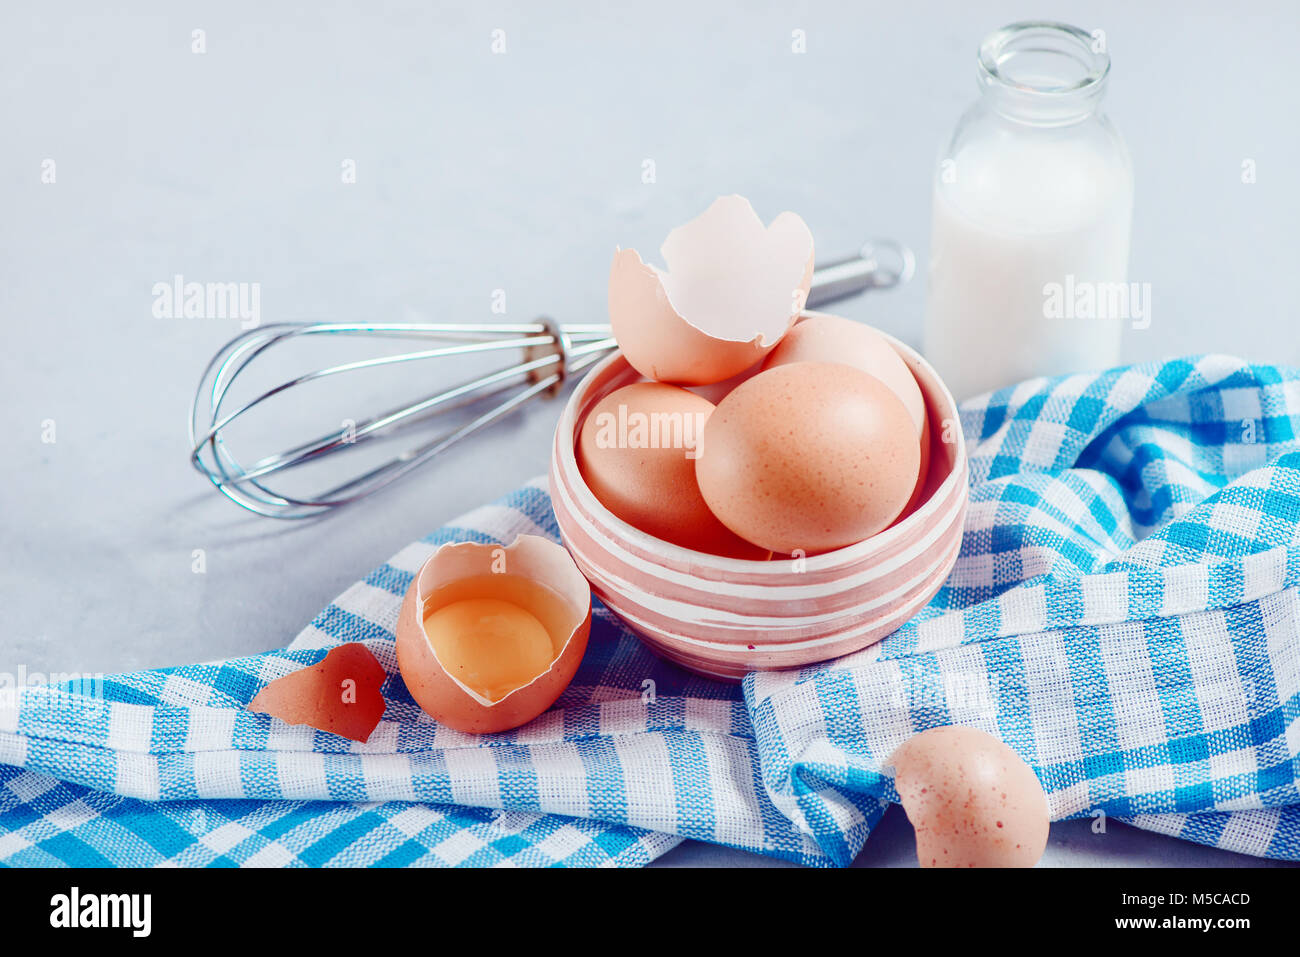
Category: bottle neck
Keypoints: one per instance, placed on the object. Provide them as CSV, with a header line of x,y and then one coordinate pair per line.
x,y
1042,73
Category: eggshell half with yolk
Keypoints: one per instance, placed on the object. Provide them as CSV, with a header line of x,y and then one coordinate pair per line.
x,y
533,574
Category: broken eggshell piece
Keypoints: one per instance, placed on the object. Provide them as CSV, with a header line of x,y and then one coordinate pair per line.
x,y
730,290
533,573
340,694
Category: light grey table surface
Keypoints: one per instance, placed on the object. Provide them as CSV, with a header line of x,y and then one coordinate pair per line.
x,y
521,171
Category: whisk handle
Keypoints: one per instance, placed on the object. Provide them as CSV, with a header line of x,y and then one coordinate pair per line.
x,y
879,264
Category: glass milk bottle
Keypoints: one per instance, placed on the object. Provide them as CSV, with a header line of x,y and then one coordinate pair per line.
x,y
1033,203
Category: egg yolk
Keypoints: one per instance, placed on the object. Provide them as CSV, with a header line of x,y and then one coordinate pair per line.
x,y
488,645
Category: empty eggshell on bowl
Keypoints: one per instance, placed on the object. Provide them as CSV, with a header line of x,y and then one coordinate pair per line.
x,y
489,636
808,457
636,451
972,801
730,290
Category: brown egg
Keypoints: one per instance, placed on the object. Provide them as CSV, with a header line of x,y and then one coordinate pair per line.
x,y
820,337
972,801
636,451
808,457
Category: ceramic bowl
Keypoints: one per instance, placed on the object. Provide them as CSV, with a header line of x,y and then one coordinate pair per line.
x,y
724,617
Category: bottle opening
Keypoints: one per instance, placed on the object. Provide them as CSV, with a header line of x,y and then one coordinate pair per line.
x,y
1043,71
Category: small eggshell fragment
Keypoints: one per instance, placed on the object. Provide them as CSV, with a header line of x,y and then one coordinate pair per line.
x,y
339,694
731,290
808,457
533,573
821,337
636,451
971,799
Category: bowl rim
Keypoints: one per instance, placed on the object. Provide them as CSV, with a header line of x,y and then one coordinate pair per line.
x,y
564,459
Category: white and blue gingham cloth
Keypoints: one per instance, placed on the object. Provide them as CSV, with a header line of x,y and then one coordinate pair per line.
x,y
1124,613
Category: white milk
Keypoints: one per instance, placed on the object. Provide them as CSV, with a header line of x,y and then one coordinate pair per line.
x,y
1035,194
1009,225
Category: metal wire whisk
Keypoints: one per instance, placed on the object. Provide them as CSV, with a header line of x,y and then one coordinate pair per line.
x,y
551,354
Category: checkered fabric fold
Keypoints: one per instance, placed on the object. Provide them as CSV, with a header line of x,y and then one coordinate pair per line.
x,y
1124,614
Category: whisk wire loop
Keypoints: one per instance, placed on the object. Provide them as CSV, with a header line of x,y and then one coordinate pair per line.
x,y
551,354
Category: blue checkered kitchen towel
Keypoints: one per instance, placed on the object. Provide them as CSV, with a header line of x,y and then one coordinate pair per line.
x,y
1124,614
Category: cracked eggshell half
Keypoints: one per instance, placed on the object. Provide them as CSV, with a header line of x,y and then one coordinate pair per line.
x,y
730,290
972,800
532,573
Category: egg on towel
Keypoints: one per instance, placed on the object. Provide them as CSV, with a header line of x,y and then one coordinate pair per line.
x,y
808,457
730,289
971,799
821,337
636,452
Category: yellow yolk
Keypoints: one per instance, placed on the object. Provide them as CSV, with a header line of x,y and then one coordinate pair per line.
x,y
488,645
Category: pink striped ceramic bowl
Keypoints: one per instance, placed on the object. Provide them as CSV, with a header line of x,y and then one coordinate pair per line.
x,y
724,617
